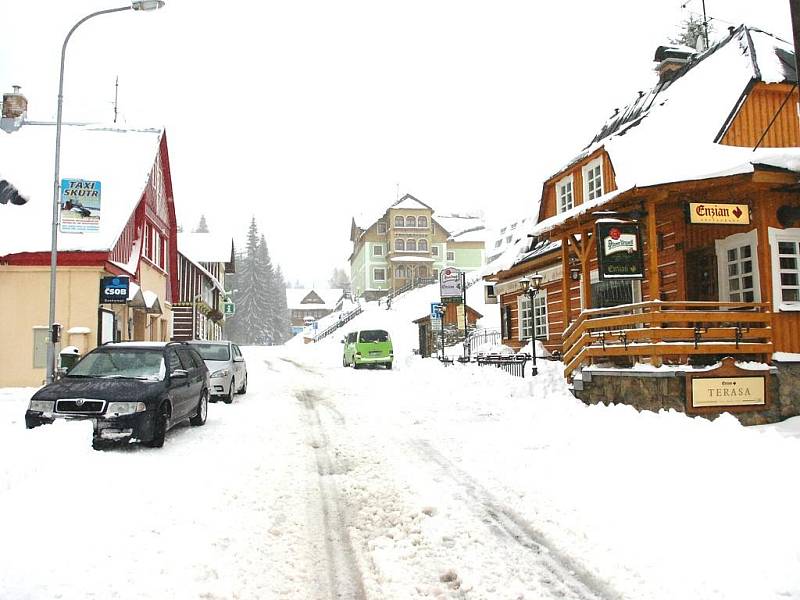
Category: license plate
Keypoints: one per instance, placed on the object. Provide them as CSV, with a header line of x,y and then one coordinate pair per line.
x,y
375,353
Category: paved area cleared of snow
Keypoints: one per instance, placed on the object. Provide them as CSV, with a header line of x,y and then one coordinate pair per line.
x,y
420,482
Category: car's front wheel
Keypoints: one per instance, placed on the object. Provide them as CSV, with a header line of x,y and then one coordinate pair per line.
x,y
160,424
202,410
243,389
228,398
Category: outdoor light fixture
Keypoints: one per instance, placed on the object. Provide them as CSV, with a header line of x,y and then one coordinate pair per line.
x,y
147,4
531,285
51,345
574,269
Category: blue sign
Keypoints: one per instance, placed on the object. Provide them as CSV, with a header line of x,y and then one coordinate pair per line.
x,y
437,310
114,290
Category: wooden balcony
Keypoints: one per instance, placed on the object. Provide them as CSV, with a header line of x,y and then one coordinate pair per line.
x,y
676,330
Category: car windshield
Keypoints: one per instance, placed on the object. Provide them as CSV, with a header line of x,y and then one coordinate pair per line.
x,y
375,335
122,363
213,351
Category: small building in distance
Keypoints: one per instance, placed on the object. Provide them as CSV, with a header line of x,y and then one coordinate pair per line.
x,y
309,305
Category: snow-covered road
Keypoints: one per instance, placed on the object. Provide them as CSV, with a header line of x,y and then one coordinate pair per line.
x,y
421,482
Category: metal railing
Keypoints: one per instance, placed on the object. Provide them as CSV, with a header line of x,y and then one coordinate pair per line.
x,y
480,337
676,329
413,284
339,323
513,364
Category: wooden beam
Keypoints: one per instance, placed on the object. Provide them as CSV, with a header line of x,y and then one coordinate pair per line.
x,y
586,272
565,281
764,254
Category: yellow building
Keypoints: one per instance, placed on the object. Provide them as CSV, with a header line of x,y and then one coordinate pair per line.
x,y
127,230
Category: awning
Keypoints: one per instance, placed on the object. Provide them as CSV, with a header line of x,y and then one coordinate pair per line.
x,y
144,300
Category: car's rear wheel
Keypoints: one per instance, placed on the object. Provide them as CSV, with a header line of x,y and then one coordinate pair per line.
x,y
202,410
160,424
228,398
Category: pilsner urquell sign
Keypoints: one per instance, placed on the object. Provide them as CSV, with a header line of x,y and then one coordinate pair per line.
x,y
619,250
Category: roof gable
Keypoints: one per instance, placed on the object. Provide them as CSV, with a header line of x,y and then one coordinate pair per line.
x,y
409,201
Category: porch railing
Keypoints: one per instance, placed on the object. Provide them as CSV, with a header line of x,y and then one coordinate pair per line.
x,y
673,329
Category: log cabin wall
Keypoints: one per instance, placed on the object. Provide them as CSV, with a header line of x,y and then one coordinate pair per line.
x,y
762,104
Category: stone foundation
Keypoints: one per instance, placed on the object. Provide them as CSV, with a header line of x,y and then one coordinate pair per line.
x,y
658,390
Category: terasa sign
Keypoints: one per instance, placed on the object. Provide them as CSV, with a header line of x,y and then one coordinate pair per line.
x,y
709,213
114,290
619,250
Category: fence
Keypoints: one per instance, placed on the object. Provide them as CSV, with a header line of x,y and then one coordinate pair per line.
x,y
337,324
513,364
481,337
411,285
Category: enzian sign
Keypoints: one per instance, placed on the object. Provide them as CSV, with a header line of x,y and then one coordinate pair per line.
x,y
710,213
619,250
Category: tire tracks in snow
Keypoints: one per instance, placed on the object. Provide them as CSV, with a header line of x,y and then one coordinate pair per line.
x,y
344,580
561,576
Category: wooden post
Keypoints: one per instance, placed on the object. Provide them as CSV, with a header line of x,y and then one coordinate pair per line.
x,y
764,254
586,273
565,281
653,279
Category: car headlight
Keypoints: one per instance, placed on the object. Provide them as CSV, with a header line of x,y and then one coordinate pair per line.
x,y
115,409
221,373
45,406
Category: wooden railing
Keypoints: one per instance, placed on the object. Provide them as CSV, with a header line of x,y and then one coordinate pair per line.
x,y
659,329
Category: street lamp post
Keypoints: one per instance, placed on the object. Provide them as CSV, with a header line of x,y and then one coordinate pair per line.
x,y
51,346
530,287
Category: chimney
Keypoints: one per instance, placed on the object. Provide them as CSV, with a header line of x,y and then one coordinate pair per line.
x,y
670,59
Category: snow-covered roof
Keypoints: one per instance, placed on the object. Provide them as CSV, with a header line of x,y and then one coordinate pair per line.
x,y
329,296
463,228
408,201
120,159
369,215
205,247
673,136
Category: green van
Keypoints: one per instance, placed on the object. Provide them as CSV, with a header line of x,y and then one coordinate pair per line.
x,y
368,347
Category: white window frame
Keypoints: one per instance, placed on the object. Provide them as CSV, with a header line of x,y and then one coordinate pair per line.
x,y
737,240
422,225
541,328
562,184
523,302
420,243
451,255
775,236
598,162
375,274
409,243
377,250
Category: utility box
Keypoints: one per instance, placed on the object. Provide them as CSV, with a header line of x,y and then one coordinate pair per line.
x,y
68,357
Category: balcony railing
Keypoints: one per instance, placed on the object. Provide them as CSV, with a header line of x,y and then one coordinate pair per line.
x,y
667,329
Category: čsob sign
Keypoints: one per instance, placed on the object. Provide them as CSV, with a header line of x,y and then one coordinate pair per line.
x,y
619,250
114,290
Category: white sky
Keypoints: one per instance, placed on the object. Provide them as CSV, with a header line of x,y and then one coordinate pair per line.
x,y
304,113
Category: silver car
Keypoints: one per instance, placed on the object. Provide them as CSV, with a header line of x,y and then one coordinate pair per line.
x,y
227,368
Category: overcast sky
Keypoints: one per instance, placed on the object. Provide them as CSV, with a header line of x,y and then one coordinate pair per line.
x,y
304,113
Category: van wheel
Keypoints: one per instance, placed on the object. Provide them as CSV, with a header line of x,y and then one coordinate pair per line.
x,y
389,366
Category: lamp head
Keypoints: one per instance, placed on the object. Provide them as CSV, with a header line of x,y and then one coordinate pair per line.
x,y
147,4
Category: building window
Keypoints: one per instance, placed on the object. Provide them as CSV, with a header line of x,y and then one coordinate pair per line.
x,y
379,274
503,230
540,315
525,317
377,250
785,246
593,180
422,246
508,239
435,250
422,272
411,245
411,221
498,243
451,255
505,322
422,221
564,192
398,221
738,268
399,245
400,272
381,227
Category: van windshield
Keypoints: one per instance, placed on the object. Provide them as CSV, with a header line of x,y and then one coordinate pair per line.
x,y
375,335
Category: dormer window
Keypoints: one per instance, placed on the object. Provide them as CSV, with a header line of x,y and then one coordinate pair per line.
x,y
565,194
593,180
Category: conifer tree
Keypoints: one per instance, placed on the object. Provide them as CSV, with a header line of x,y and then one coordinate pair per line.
x,y
202,226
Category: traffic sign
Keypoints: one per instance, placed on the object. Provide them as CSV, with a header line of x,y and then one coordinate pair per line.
x,y
228,309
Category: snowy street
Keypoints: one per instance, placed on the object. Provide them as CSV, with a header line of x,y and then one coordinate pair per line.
x,y
421,482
